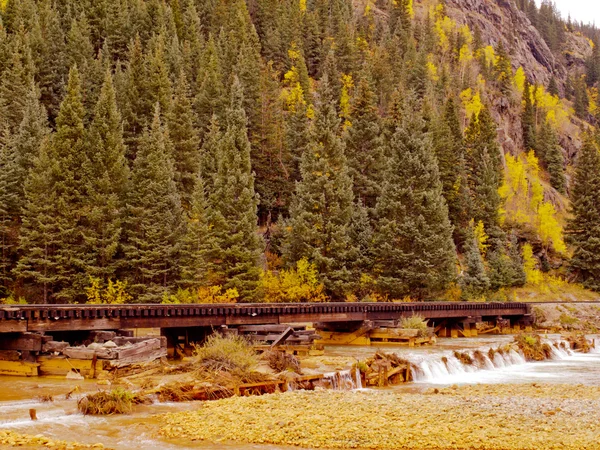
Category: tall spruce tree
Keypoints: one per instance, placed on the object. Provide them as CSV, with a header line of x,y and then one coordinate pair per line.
x,y
155,219
448,144
40,236
415,254
63,263
185,140
484,172
583,230
322,207
196,245
551,155
528,119
364,145
106,183
17,154
234,263
473,281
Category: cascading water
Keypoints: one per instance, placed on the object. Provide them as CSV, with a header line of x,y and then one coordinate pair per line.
x,y
456,367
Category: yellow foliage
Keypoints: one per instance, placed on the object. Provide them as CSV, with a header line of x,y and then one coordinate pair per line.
x,y
443,27
557,113
347,85
465,54
490,56
465,32
114,293
593,96
523,195
205,294
549,229
481,237
294,285
519,80
432,71
11,300
409,8
472,103
302,5
533,275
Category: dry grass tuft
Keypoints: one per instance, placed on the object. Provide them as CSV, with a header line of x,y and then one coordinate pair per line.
x,y
532,347
117,401
280,361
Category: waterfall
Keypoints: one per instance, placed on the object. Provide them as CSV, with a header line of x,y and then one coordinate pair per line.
x,y
343,380
449,368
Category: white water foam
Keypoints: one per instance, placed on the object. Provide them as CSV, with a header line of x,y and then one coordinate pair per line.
x,y
506,365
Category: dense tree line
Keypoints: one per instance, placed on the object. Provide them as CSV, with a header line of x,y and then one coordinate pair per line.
x,y
182,144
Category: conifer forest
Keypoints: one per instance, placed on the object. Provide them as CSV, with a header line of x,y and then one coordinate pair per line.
x,y
183,151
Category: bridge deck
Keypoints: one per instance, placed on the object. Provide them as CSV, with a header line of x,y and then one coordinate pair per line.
x,y
23,318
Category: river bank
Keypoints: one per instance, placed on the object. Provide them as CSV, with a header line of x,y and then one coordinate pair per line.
x,y
486,417
540,404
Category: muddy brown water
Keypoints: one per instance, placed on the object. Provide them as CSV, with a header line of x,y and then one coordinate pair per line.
x,y
60,419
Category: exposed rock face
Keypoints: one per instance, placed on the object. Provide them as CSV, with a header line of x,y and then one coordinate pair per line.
x,y
501,21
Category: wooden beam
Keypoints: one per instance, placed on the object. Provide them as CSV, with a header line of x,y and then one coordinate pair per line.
x,y
282,337
21,341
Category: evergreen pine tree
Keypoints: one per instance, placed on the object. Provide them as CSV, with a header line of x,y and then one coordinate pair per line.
x,y
106,183
484,172
581,101
41,233
503,69
196,245
322,207
234,263
553,87
184,137
415,254
552,156
448,144
68,148
16,81
155,219
528,119
583,230
364,146
474,281
211,92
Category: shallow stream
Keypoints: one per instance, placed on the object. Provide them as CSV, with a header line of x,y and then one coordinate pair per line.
x,y
434,366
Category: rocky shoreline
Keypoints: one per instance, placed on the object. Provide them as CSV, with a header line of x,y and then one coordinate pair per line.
x,y
485,417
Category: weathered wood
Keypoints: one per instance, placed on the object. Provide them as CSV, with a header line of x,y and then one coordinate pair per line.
x,y
54,346
102,336
79,353
10,355
123,340
19,368
138,349
145,357
22,341
282,337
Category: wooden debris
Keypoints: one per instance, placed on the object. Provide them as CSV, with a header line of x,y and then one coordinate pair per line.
x,y
385,369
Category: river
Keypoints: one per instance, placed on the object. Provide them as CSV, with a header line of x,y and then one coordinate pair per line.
x,y
434,366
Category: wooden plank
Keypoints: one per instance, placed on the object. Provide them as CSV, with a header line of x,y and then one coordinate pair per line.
x,y
138,349
13,326
22,341
10,355
19,368
54,346
79,353
282,337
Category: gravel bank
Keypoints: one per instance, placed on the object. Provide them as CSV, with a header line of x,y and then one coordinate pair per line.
x,y
490,417
13,439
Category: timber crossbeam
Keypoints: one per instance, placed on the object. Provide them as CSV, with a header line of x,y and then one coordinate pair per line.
x,y
47,318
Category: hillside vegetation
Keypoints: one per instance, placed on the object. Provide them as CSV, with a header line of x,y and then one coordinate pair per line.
x,y
296,150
